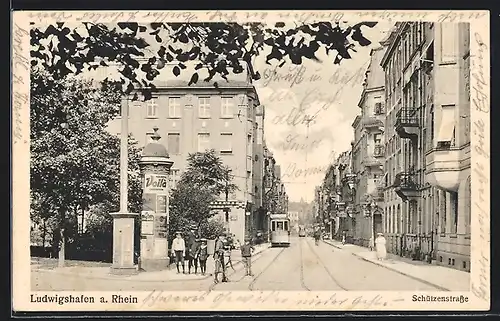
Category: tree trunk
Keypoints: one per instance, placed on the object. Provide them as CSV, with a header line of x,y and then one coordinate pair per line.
x,y
62,237
62,248
83,220
44,233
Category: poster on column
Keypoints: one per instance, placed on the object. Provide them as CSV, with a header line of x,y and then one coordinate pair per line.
x,y
155,183
161,204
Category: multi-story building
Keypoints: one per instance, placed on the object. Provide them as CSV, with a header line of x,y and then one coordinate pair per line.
x,y
427,212
226,117
259,171
447,132
304,211
330,194
340,190
318,204
293,216
275,199
368,152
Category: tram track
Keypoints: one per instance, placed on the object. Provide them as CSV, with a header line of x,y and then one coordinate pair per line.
x,y
252,283
302,281
322,263
240,268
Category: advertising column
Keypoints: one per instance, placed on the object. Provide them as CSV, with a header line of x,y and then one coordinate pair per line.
x,y
155,168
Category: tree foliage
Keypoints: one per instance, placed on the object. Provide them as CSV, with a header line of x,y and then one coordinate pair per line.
x,y
69,141
219,48
207,171
74,159
211,228
204,180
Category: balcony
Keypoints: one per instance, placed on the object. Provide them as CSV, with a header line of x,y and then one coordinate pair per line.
x,y
371,162
407,123
349,179
341,209
378,194
405,185
372,123
379,150
443,169
350,210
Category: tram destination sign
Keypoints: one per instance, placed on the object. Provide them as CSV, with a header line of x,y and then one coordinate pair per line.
x,y
277,216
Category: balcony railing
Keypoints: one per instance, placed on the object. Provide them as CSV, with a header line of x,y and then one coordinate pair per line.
x,y
371,162
349,179
379,150
379,193
372,123
406,186
407,122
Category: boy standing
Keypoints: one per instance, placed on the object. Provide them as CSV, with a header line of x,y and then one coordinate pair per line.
x,y
246,254
179,248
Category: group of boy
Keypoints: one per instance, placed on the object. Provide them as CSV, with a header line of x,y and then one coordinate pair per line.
x,y
195,251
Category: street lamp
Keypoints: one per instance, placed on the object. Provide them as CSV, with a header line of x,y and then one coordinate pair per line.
x,y
372,210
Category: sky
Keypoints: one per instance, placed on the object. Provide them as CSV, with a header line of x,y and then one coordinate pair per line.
x,y
327,90
304,154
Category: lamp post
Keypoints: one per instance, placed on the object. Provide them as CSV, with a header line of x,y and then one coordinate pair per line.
x,y
123,221
373,208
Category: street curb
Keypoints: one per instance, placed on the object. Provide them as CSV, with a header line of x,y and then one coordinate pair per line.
x,y
394,270
54,271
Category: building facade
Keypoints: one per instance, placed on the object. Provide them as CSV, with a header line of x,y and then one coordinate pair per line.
x,y
294,221
334,199
427,165
225,116
275,198
368,152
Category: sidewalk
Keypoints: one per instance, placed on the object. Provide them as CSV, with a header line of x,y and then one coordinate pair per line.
x,y
96,270
446,279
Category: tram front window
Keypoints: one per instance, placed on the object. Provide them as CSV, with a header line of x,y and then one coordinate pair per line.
x,y
280,226
273,226
286,226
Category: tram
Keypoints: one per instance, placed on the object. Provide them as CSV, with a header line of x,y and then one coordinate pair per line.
x,y
280,230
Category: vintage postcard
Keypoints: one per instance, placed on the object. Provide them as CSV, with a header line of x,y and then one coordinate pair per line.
x,y
251,160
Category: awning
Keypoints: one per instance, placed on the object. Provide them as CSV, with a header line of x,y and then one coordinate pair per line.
x,y
446,130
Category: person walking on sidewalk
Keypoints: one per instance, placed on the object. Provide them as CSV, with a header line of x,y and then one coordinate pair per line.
x,y
317,236
179,248
193,259
202,255
246,254
220,264
380,244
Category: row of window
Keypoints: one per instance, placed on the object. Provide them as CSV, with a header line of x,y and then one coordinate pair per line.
x,y
204,107
224,141
174,142
394,216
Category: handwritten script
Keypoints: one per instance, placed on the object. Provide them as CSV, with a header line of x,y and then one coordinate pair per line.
x,y
218,15
217,299
481,103
20,63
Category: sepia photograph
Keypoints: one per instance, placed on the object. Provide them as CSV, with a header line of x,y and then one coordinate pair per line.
x,y
279,160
